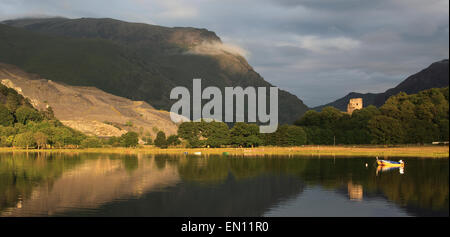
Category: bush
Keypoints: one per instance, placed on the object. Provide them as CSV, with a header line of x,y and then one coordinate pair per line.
x,y
25,140
25,114
245,135
173,140
129,139
91,142
160,140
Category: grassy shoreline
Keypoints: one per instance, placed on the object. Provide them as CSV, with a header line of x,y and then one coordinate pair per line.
x,y
339,151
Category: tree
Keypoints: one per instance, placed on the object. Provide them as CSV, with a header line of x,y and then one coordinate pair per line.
x,y
6,117
245,135
386,130
129,139
91,142
160,140
444,129
217,134
310,118
188,130
48,113
41,139
12,100
25,114
295,136
202,133
173,140
61,136
114,141
25,140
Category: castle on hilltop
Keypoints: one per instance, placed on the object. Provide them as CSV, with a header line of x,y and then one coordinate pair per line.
x,y
354,104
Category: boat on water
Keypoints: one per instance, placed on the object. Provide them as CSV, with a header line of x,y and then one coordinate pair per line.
x,y
390,163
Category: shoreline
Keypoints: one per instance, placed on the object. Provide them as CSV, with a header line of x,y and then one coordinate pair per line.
x,y
340,151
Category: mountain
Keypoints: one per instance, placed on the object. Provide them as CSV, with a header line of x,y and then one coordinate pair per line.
x,y
133,60
87,109
434,76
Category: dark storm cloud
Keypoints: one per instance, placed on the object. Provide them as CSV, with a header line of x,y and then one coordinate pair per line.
x,y
318,50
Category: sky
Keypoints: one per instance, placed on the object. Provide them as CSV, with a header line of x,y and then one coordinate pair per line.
x,y
319,50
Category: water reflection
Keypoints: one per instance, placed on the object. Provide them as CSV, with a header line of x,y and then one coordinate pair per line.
x,y
355,191
401,170
91,184
44,184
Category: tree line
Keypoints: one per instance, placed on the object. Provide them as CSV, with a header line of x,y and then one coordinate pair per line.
x,y
404,119
218,134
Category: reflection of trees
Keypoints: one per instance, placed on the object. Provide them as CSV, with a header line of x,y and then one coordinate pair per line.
x,y
131,162
424,184
95,182
20,172
215,169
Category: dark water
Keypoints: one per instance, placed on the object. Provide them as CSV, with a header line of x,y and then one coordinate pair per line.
x,y
160,185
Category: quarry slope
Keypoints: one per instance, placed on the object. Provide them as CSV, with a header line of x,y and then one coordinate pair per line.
x,y
87,109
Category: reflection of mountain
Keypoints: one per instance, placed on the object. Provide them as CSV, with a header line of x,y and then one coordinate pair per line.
x,y
249,197
93,183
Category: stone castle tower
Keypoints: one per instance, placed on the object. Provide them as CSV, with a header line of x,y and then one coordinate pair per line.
x,y
354,104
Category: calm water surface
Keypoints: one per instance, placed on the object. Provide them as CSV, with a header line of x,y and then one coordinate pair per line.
x,y
43,184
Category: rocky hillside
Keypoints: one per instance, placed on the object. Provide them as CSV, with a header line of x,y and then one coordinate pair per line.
x,y
87,109
434,76
132,60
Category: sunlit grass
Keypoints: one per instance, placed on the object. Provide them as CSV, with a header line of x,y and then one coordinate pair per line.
x,y
342,151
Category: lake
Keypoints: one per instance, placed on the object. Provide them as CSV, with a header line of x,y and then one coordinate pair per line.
x,y
57,184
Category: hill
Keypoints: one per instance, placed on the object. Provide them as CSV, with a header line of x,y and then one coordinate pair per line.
x,y
23,126
434,76
87,109
132,60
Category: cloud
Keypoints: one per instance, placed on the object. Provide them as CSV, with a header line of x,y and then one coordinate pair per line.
x,y
214,48
321,45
